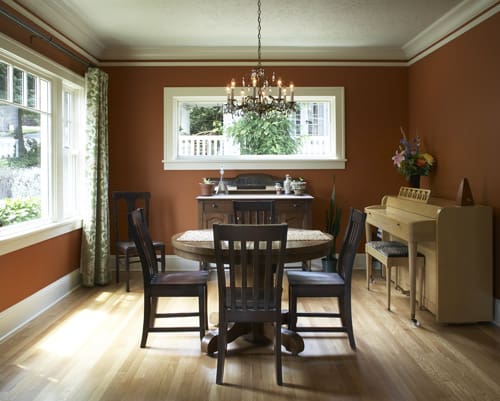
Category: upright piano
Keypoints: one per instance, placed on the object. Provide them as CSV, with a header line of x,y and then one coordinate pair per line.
x,y
457,242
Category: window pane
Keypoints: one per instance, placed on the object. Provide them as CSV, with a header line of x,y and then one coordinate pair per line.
x,y
20,165
4,69
18,85
45,99
32,98
70,156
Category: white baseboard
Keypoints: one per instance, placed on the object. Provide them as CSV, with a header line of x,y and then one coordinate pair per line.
x,y
23,312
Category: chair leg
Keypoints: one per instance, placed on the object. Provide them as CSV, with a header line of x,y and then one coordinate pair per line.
x,y
369,268
277,353
162,258
202,311
388,285
292,309
153,311
146,320
127,267
221,351
117,266
205,289
348,320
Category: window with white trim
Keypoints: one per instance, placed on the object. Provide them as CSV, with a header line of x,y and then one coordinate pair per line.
x,y
41,109
197,135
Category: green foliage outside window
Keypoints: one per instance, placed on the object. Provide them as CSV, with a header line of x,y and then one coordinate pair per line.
x,y
264,135
205,120
19,210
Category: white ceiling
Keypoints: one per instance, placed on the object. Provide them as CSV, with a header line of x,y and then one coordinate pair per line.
x,y
227,29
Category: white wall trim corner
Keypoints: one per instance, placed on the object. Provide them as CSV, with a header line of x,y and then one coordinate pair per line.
x,y
13,318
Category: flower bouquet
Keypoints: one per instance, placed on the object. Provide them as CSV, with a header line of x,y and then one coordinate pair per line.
x,y
410,160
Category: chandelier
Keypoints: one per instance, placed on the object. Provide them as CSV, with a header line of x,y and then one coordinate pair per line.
x,y
257,92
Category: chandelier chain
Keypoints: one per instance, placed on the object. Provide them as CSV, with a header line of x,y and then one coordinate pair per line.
x,y
259,20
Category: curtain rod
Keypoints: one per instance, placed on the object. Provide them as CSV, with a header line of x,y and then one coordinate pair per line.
x,y
47,38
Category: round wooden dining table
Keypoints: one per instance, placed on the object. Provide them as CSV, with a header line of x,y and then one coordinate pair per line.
x,y
302,244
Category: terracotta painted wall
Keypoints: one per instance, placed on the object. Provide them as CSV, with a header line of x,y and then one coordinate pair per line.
x,y
454,104
24,272
375,104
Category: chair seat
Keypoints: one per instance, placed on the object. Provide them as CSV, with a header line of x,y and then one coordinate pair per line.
x,y
180,278
129,246
313,278
389,248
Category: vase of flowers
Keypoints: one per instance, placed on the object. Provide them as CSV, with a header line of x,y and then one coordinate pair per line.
x,y
411,162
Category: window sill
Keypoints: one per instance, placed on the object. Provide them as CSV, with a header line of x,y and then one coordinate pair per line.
x,y
210,164
15,241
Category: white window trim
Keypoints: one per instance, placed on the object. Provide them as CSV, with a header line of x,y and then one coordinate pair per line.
x,y
40,230
171,162
35,233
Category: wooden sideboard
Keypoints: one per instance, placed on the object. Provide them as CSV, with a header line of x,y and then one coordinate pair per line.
x,y
292,209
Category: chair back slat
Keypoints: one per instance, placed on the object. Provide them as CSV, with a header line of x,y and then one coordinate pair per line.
x,y
144,245
253,212
253,256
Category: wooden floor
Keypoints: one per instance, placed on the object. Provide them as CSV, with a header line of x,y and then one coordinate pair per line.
x,y
86,348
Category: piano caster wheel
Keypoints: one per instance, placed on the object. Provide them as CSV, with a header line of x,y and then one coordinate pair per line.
x,y
415,322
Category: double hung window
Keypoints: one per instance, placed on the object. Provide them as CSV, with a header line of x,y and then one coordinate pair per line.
x,y
40,152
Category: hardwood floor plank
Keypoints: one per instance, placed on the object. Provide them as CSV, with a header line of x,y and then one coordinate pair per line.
x,y
86,348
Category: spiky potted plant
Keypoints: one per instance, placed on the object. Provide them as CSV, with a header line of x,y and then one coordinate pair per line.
x,y
332,226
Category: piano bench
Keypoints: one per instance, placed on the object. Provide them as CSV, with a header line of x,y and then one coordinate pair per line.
x,y
389,254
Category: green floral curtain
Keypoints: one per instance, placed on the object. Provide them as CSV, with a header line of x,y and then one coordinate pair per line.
x,y
95,233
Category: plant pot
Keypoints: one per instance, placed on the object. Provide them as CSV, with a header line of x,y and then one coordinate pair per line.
x,y
299,188
329,265
206,189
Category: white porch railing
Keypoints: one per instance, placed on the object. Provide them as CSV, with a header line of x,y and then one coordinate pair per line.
x,y
218,145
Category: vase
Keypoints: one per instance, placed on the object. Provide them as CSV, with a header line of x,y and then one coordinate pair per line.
x,y
414,181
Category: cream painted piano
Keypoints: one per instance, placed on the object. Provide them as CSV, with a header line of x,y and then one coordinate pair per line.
x,y
458,248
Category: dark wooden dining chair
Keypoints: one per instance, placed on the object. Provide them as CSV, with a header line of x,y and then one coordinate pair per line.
x,y
165,284
252,293
123,202
253,212
323,284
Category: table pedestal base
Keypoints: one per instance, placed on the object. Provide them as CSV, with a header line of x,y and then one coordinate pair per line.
x,y
258,334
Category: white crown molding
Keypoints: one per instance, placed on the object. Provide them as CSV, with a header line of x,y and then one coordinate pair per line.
x,y
249,53
464,13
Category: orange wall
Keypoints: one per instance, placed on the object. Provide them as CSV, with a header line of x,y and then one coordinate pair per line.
x,y
454,105
375,104
24,272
